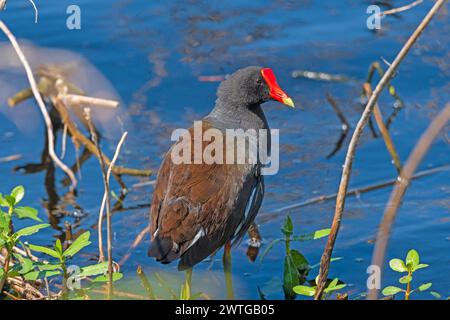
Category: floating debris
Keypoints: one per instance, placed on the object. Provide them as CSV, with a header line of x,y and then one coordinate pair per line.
x,y
215,78
321,76
10,158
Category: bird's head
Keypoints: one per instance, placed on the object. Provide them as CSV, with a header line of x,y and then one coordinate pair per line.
x,y
252,86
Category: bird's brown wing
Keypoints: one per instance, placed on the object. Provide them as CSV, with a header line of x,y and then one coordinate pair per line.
x,y
196,208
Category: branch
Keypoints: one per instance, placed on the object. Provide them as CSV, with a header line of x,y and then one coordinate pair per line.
x,y
384,131
399,190
41,104
340,200
36,12
75,99
400,9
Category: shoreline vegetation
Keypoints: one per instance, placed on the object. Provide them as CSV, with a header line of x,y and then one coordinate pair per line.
x,y
63,106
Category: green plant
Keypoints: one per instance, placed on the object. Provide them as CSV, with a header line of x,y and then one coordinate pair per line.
x,y
9,239
28,269
296,266
410,265
60,266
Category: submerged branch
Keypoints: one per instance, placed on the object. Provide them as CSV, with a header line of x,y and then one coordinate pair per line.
x,y
384,131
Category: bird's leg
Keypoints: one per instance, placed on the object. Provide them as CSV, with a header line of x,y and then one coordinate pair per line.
x,y
227,270
186,290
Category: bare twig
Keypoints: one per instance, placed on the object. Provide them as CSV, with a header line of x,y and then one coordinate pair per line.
x,y
105,200
338,111
345,125
400,9
106,203
384,131
75,99
75,132
340,200
136,242
36,12
41,104
402,184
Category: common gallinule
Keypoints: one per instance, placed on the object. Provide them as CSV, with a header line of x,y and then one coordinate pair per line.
x,y
198,208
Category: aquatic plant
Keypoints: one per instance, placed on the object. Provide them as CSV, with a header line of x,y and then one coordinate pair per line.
x,y
296,267
410,265
30,268
9,239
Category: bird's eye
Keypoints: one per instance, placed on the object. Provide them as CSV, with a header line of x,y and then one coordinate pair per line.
x,y
258,81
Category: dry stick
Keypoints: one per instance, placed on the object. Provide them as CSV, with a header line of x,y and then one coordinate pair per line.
x,y
106,203
340,200
136,242
76,99
90,146
338,111
108,211
36,12
41,104
402,184
101,254
383,130
400,9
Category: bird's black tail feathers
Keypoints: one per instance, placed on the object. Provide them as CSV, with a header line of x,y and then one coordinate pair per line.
x,y
162,250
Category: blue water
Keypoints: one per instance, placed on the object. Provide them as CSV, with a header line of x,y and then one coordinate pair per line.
x,y
171,44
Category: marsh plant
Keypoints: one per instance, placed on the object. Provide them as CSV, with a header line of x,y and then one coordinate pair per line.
x,y
409,266
296,267
16,264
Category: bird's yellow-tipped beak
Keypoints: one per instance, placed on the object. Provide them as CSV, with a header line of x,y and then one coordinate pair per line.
x,y
288,101
276,92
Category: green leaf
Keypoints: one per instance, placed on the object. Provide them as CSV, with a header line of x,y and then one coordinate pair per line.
x,y
398,265
94,270
391,90
412,259
335,288
35,275
269,247
3,202
391,290
27,212
435,294
288,227
304,291
10,200
26,264
81,242
105,278
30,230
405,279
4,222
48,266
333,283
299,260
313,235
45,250
17,193
425,286
58,247
301,264
290,275
420,266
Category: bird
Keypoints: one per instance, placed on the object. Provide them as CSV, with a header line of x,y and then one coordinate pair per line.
x,y
198,208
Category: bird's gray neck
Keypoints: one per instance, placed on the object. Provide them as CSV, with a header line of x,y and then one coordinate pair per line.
x,y
231,116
